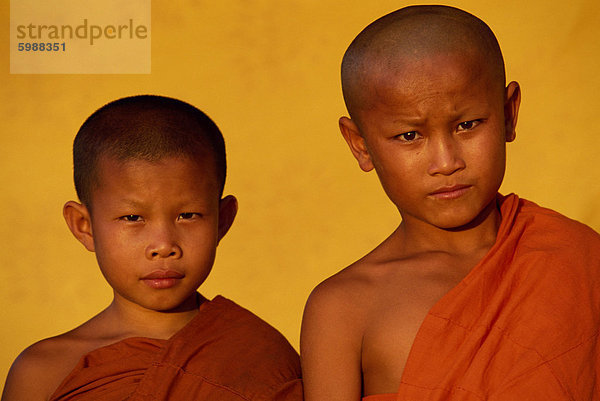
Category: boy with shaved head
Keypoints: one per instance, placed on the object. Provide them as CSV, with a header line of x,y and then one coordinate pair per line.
x,y
149,172
475,296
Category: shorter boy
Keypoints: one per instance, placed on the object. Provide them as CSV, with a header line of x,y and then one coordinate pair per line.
x,y
149,172
475,296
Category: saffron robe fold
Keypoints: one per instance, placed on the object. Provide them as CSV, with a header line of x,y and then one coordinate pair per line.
x,y
225,353
522,325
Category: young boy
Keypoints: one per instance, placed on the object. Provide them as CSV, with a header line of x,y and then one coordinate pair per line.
x,y
475,296
149,172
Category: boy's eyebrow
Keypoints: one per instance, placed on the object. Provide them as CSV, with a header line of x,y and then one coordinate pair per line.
x,y
140,204
131,202
417,121
456,115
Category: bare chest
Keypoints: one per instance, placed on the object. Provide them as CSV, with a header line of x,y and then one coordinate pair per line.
x,y
395,318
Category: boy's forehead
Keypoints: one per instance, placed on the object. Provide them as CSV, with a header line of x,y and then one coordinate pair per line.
x,y
171,181
110,169
462,73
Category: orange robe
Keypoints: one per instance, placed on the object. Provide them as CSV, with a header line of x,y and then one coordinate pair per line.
x,y
522,325
225,353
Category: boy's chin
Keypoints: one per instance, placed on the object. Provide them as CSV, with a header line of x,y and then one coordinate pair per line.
x,y
166,303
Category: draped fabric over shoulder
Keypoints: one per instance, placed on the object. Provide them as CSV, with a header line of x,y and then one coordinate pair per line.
x,y
225,353
522,325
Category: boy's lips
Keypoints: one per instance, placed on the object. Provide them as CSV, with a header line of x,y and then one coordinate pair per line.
x,y
160,279
450,192
159,274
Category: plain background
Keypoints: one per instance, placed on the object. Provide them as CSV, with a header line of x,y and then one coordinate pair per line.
x,y
267,72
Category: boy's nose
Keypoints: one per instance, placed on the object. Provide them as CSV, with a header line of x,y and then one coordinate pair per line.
x,y
163,245
445,157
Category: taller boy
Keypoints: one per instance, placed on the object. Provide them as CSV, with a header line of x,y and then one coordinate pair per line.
x,y
474,296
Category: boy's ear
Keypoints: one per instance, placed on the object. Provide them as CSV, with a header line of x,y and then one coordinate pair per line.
x,y
511,110
356,142
79,221
228,207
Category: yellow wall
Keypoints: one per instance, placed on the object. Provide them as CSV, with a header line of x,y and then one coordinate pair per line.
x,y
267,72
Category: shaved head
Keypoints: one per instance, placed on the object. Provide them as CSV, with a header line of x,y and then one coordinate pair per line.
x,y
410,35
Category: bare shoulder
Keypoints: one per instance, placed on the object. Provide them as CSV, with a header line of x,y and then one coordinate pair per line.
x,y
343,297
344,291
331,339
350,293
40,368
38,371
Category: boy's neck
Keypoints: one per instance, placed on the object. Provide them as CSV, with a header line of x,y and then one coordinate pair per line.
x,y
415,236
131,320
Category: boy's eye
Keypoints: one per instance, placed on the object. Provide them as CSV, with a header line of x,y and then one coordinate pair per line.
x,y
187,216
408,136
467,125
131,217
